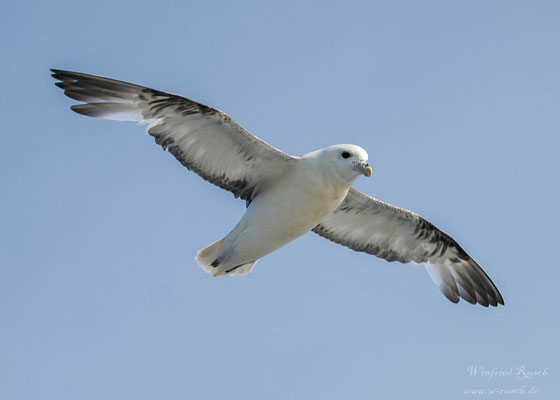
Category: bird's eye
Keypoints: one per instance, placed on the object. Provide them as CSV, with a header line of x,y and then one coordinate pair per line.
x,y
345,155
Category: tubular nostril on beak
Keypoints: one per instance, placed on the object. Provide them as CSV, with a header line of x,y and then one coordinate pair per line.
x,y
363,168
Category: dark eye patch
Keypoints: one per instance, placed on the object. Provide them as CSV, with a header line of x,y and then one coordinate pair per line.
x,y
345,154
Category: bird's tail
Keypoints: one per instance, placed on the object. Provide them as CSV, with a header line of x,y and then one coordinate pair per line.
x,y
207,258
238,270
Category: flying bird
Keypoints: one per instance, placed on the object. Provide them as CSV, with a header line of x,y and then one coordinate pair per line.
x,y
286,196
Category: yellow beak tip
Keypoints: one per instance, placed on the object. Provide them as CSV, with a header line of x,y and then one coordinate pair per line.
x,y
369,171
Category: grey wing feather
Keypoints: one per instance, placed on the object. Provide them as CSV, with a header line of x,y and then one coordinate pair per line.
x,y
365,224
203,139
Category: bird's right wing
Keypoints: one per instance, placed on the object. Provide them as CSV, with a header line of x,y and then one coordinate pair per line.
x,y
203,139
365,224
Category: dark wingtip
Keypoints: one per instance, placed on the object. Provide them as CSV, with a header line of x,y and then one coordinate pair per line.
x,y
469,299
56,73
451,295
500,298
85,109
62,75
59,71
491,302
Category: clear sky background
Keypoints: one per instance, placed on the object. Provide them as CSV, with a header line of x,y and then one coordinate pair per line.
x,y
457,103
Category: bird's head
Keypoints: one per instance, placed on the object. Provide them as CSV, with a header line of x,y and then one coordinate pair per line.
x,y
346,161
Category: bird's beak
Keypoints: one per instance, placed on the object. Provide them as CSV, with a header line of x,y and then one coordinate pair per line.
x,y
363,168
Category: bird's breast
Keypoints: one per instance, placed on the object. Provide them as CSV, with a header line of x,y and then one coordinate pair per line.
x,y
298,208
283,213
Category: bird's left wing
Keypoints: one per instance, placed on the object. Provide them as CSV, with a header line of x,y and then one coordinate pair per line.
x,y
365,224
203,139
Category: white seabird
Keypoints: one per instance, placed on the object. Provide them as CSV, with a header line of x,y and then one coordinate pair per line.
x,y
286,196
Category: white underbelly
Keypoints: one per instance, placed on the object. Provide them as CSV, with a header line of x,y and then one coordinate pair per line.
x,y
277,217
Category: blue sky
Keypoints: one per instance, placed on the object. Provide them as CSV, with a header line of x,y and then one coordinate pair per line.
x,y
456,103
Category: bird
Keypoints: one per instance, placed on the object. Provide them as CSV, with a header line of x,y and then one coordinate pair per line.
x,y
286,196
